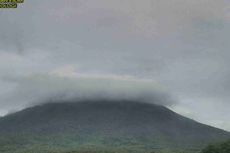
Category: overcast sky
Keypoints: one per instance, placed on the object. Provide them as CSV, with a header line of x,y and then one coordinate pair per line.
x,y
170,52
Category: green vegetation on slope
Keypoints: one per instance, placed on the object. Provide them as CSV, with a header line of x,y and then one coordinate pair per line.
x,y
218,148
124,127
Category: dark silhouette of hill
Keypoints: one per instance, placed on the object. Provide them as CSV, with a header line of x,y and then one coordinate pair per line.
x,y
104,123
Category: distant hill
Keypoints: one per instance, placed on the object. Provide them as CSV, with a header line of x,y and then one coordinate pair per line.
x,y
124,125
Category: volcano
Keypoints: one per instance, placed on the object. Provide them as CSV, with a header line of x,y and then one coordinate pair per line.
x,y
110,125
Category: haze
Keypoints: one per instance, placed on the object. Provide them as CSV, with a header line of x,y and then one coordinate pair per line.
x,y
174,53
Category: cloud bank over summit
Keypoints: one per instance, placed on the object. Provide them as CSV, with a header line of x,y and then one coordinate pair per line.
x,y
38,89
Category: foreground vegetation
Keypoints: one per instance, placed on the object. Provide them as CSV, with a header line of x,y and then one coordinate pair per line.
x,y
223,147
218,148
92,149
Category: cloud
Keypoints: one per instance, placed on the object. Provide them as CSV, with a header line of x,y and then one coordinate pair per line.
x,y
183,44
11,38
154,19
65,84
149,17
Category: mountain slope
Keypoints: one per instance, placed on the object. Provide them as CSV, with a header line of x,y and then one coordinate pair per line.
x,y
104,123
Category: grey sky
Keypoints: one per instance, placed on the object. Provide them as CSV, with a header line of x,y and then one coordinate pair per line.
x,y
179,47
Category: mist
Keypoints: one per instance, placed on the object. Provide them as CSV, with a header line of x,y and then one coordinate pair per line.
x,y
180,48
54,87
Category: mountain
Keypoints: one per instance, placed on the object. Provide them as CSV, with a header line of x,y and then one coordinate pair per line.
x,y
124,125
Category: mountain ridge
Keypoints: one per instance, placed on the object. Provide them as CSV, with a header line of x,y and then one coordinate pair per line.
x,y
107,123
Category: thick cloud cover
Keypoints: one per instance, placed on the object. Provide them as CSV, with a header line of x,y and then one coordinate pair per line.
x,y
70,86
181,44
